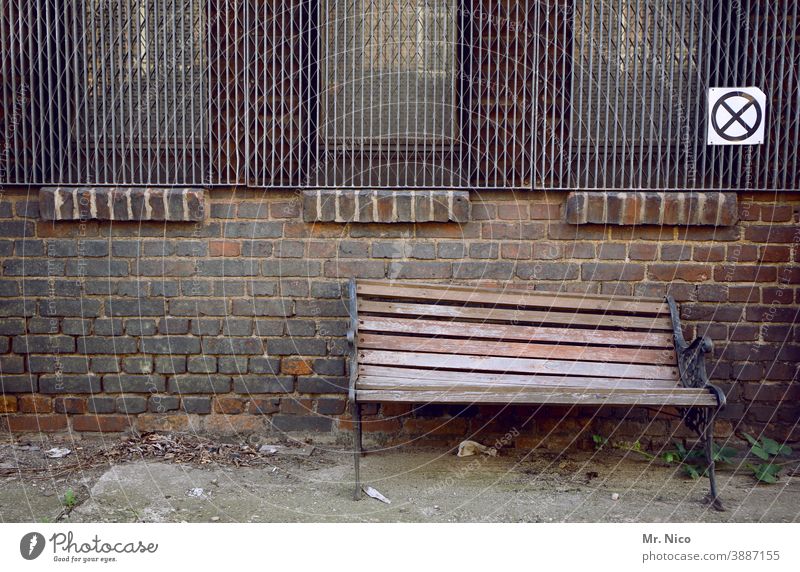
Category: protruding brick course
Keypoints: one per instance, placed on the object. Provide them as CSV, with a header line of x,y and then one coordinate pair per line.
x,y
664,208
385,206
121,203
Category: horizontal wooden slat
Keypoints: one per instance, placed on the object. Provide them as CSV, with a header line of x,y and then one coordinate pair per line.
x,y
435,292
657,324
515,349
520,365
509,332
558,396
426,378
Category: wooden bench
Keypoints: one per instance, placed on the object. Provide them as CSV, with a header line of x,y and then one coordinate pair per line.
x,y
438,343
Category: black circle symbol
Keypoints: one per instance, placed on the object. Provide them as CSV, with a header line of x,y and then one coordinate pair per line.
x,y
31,545
736,116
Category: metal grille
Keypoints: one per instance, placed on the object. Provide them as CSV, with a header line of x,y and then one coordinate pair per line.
x,y
559,94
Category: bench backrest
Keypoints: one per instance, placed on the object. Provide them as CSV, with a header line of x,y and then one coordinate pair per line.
x,y
466,333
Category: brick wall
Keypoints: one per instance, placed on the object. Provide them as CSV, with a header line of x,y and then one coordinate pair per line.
x,y
237,324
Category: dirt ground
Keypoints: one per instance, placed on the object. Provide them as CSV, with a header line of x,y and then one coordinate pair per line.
x,y
423,485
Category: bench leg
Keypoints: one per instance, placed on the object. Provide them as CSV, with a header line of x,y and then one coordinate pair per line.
x,y
357,449
708,436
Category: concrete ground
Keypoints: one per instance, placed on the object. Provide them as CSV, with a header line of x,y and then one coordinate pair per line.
x,y
422,484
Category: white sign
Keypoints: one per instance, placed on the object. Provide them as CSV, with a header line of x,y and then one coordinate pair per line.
x,y
736,115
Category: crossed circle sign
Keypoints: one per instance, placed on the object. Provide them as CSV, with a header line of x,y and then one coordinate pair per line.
x,y
738,105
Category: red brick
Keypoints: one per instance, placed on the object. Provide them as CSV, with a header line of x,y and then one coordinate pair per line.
x,y
294,366
234,425
776,213
34,404
709,253
8,404
515,250
36,423
640,251
686,272
162,422
773,253
742,273
102,423
742,253
224,248
771,234
545,211
229,405
512,211
70,405
783,295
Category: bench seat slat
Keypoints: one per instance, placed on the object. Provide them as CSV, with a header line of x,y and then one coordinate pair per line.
x,y
511,332
520,365
515,349
564,396
509,296
435,378
651,324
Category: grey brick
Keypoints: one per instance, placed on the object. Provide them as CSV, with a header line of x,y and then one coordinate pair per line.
x,y
200,405
62,248
313,423
64,287
76,326
11,364
205,327
101,405
69,383
12,326
301,327
228,287
430,270
84,308
483,270
43,344
105,365
103,345
266,328
295,287
223,210
17,308
263,287
328,366
173,326
314,384
197,288
163,267
125,383
451,250
264,365
257,248
171,364
548,271
9,288
262,307
321,308
193,248
137,327
297,346
29,247
288,268
232,364
43,325
25,383
202,364
171,345
326,290
137,364
158,248
131,405
484,250
255,229
27,209
264,406
126,248
328,406
33,267
228,267
237,327
200,384
6,248
163,403
232,346
134,288
136,307
423,250
333,328
289,249
109,267
51,364
165,288
4,345
196,308
14,228
255,384
108,327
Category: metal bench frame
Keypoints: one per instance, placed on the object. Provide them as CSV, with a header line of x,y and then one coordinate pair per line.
x,y
692,374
